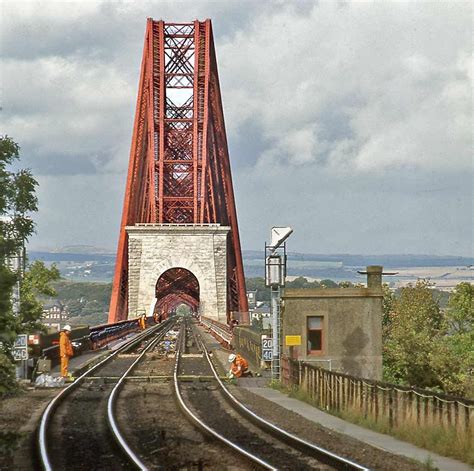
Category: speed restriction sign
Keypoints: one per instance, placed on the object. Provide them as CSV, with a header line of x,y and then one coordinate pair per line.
x,y
267,348
20,348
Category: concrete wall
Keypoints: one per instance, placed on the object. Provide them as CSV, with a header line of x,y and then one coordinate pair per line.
x,y
201,249
248,343
352,328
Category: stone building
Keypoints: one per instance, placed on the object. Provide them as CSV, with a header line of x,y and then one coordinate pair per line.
x,y
55,315
336,328
200,249
252,298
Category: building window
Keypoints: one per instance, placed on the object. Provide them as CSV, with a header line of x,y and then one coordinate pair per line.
x,y
315,334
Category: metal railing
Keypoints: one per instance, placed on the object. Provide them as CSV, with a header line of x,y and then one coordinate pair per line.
x,y
222,331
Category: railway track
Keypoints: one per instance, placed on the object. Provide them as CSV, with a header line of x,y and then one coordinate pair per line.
x,y
264,444
73,433
111,419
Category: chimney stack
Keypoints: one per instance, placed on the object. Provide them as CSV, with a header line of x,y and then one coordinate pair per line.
x,y
374,276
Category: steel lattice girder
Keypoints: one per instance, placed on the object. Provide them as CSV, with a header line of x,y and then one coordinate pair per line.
x,y
179,168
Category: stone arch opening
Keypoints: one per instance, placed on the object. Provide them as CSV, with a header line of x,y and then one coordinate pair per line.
x,y
174,287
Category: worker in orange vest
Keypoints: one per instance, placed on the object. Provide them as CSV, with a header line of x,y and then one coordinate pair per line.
x,y
239,366
65,350
142,322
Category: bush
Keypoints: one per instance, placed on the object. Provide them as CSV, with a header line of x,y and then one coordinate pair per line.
x,y
8,384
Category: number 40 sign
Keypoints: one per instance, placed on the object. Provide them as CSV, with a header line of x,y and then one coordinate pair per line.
x,y
267,348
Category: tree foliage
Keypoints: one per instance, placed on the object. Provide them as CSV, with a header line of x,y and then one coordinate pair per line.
x,y
455,363
87,303
410,340
425,346
36,284
17,201
460,311
301,282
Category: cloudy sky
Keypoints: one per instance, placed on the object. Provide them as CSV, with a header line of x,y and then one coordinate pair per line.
x,y
351,122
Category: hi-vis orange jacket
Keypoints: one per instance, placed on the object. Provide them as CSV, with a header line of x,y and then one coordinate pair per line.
x,y
239,366
65,345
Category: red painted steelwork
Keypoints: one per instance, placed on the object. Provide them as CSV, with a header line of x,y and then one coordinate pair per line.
x,y
179,169
177,286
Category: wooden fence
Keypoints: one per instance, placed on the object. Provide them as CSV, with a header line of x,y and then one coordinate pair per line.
x,y
383,403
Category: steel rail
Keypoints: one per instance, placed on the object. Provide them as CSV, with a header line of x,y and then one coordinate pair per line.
x,y
112,400
53,404
331,458
202,424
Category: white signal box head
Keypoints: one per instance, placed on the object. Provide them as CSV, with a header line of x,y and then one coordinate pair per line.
x,y
279,235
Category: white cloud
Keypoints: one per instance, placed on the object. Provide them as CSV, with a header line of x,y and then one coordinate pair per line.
x,y
396,75
325,101
66,106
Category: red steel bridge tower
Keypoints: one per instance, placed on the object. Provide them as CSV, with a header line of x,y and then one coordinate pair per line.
x,y
179,170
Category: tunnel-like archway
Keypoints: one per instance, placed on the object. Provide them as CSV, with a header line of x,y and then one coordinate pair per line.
x,y
174,287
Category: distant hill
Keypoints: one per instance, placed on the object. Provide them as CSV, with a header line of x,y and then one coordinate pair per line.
x,y
83,249
77,263
71,257
87,252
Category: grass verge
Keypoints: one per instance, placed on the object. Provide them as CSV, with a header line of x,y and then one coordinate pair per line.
x,y
446,441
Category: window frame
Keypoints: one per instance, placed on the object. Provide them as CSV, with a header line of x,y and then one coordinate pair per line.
x,y
308,330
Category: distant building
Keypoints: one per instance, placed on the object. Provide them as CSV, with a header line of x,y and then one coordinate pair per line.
x,y
55,315
259,312
252,299
261,315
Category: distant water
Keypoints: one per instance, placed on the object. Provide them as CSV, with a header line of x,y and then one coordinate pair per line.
x,y
337,267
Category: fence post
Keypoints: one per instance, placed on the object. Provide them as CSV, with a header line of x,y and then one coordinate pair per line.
x,y
449,412
418,409
375,400
321,387
326,389
390,408
331,391
466,420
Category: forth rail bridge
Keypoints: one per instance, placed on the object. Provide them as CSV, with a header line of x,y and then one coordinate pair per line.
x,y
153,393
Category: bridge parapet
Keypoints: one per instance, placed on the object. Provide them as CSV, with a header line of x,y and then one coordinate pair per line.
x,y
248,342
221,331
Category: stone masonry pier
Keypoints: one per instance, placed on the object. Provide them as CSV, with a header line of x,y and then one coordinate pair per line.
x,y
200,248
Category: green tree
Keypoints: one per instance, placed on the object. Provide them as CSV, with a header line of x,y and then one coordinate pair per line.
x,y
346,284
302,283
36,284
455,354
17,201
258,284
387,307
328,284
412,337
460,311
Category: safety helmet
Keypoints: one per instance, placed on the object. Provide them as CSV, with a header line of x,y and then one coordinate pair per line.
x,y
67,327
232,357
